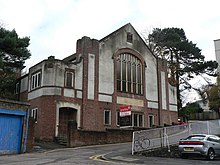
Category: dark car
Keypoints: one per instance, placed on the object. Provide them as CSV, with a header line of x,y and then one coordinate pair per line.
x,y
202,144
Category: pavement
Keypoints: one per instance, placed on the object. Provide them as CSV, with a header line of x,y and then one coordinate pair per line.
x,y
47,146
123,156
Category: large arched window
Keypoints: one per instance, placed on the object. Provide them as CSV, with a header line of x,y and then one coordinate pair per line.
x,y
129,74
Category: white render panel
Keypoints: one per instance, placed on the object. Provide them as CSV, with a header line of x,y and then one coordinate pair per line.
x,y
69,92
173,108
172,95
151,79
44,92
217,52
106,73
172,98
152,105
91,76
130,101
105,98
79,94
78,75
163,90
24,84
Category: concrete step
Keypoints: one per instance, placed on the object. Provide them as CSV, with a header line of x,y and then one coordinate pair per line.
x,y
61,140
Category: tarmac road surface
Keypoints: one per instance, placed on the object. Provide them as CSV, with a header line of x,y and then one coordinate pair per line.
x,y
111,154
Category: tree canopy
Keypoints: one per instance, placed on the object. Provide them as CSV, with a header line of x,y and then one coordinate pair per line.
x,y
185,60
189,109
214,96
13,53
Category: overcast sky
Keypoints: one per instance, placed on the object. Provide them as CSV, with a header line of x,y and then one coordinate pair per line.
x,y
55,25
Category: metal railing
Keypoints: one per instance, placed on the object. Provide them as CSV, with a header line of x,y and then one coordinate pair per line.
x,y
166,136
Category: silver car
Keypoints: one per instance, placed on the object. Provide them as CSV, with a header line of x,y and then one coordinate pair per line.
x,y
202,144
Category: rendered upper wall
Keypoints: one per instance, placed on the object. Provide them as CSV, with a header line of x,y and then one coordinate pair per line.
x,y
217,52
109,46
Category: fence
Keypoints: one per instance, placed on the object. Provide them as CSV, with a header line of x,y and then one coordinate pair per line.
x,y
162,137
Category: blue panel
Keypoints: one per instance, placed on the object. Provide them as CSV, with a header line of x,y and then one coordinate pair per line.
x,y
10,133
12,112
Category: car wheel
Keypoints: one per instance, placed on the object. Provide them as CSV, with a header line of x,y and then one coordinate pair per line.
x,y
211,154
184,156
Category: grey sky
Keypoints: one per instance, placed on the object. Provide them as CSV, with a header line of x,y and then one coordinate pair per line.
x,y
55,25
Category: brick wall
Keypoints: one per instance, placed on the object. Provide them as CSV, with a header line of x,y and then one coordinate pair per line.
x,y
46,121
30,136
83,137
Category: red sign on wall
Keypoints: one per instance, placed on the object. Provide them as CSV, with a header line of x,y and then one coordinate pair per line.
x,y
125,111
125,116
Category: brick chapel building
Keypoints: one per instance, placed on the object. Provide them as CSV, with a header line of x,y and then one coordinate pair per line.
x,y
90,85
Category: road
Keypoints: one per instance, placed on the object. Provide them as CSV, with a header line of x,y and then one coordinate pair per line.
x,y
114,154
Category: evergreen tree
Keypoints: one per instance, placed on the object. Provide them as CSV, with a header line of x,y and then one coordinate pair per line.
x,y
189,109
13,53
214,96
184,57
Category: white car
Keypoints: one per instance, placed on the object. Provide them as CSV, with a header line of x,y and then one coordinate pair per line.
x,y
202,144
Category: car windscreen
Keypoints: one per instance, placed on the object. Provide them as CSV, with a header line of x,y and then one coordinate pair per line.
x,y
195,137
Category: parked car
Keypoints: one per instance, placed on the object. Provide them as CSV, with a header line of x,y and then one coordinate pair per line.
x,y
202,144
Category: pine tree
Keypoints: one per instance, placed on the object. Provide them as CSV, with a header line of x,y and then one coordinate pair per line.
x,y
185,60
13,53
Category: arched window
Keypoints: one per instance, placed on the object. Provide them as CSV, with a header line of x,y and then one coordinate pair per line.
x,y
129,74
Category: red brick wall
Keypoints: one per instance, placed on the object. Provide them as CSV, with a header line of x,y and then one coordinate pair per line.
x,y
83,137
46,121
30,136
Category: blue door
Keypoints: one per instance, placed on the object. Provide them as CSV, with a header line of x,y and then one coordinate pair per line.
x,y
10,133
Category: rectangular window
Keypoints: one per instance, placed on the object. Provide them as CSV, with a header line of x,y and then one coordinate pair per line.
x,y
107,117
137,120
151,121
124,76
34,114
17,88
129,76
69,79
140,120
129,37
36,80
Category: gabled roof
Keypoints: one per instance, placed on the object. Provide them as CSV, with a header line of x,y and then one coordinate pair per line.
x,y
121,28
115,32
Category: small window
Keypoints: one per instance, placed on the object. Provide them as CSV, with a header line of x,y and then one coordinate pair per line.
x,y
17,88
69,79
137,120
151,121
34,114
107,117
129,37
36,80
